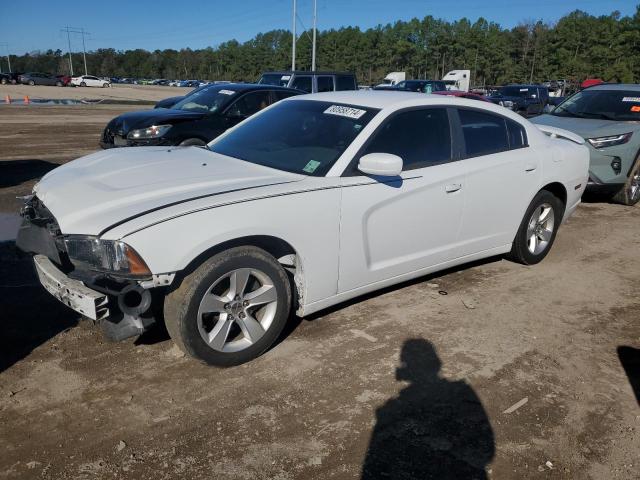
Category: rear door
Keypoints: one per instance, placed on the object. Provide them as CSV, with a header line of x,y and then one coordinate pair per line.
x,y
503,174
391,226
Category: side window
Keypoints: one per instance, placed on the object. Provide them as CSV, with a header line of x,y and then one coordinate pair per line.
x,y
249,104
420,137
484,133
325,84
517,135
282,94
302,83
345,82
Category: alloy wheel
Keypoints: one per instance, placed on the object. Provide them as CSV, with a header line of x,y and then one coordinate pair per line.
x,y
237,310
540,229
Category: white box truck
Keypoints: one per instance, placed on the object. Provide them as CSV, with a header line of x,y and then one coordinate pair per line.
x,y
458,80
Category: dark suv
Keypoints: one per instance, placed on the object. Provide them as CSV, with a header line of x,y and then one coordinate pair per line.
x,y
311,82
421,86
527,100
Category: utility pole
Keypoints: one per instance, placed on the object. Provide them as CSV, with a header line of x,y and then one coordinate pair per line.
x,y
84,52
6,45
293,50
69,43
315,24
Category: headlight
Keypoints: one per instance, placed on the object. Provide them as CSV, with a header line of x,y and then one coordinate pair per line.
x,y
507,103
113,256
154,131
610,141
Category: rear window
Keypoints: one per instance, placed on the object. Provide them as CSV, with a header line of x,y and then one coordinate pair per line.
x,y
303,83
345,82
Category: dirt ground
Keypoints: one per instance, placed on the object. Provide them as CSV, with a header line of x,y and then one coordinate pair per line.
x,y
115,92
493,370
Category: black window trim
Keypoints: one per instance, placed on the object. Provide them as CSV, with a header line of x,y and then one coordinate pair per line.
x,y
455,133
463,143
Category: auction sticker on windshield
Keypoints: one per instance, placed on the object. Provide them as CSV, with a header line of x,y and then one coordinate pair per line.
x,y
311,166
631,99
227,92
342,111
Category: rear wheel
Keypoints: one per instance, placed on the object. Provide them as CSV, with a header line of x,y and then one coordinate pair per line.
x,y
230,309
538,229
4,81
629,194
32,83
58,84
83,84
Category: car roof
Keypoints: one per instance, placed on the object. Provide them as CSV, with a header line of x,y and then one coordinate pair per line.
x,y
244,87
615,86
382,99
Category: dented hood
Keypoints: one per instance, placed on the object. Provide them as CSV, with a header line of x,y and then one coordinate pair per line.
x,y
91,194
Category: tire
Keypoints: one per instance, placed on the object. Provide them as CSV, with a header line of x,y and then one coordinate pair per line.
x,y
4,81
83,84
538,229
629,194
105,85
58,84
192,142
32,83
227,344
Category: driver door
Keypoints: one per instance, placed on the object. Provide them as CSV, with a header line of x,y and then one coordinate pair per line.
x,y
391,226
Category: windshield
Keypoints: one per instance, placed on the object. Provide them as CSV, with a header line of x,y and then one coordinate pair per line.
x,y
275,79
207,100
299,136
606,104
523,92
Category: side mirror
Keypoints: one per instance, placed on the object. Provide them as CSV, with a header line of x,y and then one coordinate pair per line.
x,y
383,164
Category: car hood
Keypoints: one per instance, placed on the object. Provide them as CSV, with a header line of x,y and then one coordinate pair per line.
x,y
93,193
124,123
587,127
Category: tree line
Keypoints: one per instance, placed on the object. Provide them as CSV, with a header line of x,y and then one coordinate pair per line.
x,y
578,46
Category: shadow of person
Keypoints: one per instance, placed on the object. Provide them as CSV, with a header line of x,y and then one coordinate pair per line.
x,y
630,361
435,429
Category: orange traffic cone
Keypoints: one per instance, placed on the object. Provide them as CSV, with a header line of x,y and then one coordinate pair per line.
x,y
26,99
7,99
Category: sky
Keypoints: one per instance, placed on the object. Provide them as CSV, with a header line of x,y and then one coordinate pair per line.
x,y
30,25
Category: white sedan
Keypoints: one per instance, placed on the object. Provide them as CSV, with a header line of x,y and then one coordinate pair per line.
x,y
313,201
89,81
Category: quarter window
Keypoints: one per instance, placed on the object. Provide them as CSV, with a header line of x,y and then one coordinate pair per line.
x,y
517,135
345,82
420,137
484,133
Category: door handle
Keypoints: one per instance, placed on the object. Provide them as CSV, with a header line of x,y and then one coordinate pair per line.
x,y
454,187
530,168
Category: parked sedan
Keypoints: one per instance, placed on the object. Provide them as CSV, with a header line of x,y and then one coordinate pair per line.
x,y
196,119
608,117
37,78
315,200
90,81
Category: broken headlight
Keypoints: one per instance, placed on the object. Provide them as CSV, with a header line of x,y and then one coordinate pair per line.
x,y
154,131
112,256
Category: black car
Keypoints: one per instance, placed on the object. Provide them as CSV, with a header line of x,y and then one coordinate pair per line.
x,y
196,119
311,82
37,78
422,86
527,100
9,77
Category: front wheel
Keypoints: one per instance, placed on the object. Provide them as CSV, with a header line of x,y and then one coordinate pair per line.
x,y
538,229
58,84
230,309
32,83
629,194
83,84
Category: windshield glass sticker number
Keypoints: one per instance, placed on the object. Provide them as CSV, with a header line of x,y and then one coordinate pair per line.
x,y
227,92
631,99
311,166
348,112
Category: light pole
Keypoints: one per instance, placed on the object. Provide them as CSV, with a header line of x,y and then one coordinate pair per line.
x,y
293,49
69,43
315,22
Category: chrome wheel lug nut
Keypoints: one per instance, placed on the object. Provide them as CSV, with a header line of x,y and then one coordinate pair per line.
x,y
242,315
245,303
